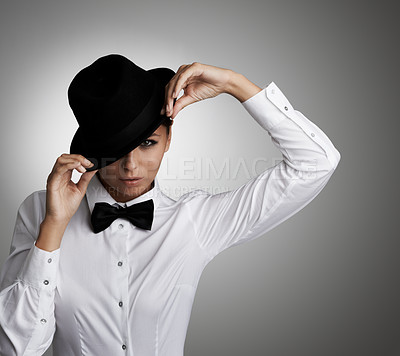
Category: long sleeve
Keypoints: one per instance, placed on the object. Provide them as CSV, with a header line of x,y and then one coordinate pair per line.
x,y
308,161
27,286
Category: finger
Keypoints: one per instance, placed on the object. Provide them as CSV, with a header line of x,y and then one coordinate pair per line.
x,y
84,180
84,161
169,99
61,175
67,158
168,89
166,107
61,169
181,103
182,81
163,109
63,161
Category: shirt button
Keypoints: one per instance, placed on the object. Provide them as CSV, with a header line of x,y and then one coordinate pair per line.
x,y
120,226
46,282
120,304
286,108
49,260
43,321
123,347
312,134
119,263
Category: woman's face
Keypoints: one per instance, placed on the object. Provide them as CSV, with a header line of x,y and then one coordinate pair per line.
x,y
120,177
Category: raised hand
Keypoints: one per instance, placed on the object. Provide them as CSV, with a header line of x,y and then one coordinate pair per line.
x,y
63,197
201,81
198,81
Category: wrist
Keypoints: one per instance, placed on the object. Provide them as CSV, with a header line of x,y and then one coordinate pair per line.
x,y
240,87
49,225
50,234
54,222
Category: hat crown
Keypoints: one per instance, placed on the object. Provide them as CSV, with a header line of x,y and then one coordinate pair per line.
x,y
117,105
108,94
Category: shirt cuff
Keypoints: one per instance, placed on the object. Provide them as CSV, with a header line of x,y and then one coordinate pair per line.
x,y
40,268
269,106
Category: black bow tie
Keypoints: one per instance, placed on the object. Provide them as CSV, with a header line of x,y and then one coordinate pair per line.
x,y
140,215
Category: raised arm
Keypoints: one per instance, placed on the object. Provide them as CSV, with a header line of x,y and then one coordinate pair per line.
x,y
308,161
29,276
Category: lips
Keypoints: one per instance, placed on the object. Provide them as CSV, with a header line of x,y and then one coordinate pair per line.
x,y
130,182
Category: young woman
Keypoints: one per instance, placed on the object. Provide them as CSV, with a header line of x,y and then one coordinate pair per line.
x,y
110,265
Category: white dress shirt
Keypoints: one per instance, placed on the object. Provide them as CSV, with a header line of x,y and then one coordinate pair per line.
x,y
128,291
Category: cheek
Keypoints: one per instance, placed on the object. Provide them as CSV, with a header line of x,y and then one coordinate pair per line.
x,y
152,160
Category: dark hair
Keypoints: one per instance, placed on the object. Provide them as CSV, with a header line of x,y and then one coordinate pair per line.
x,y
167,123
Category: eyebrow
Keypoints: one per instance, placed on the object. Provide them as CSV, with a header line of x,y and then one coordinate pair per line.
x,y
154,134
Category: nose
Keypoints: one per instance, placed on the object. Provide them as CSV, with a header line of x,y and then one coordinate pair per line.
x,y
130,161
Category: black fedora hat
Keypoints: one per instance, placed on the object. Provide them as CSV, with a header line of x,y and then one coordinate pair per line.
x,y
117,105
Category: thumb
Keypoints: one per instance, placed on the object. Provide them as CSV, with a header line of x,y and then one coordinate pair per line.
x,y
84,180
181,103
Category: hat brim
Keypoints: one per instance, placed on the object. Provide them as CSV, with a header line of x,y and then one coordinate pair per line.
x,y
79,144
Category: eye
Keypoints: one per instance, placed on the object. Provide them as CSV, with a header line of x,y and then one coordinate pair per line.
x,y
148,143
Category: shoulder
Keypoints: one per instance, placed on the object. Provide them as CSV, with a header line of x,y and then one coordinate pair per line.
x,y
187,199
184,198
197,202
193,196
33,207
34,200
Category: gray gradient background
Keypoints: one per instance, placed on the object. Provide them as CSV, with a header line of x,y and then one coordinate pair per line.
x,y
325,282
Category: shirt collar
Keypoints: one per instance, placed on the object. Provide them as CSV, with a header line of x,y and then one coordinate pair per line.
x,y
96,192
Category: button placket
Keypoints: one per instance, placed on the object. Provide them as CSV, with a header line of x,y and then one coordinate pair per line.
x,y
122,278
